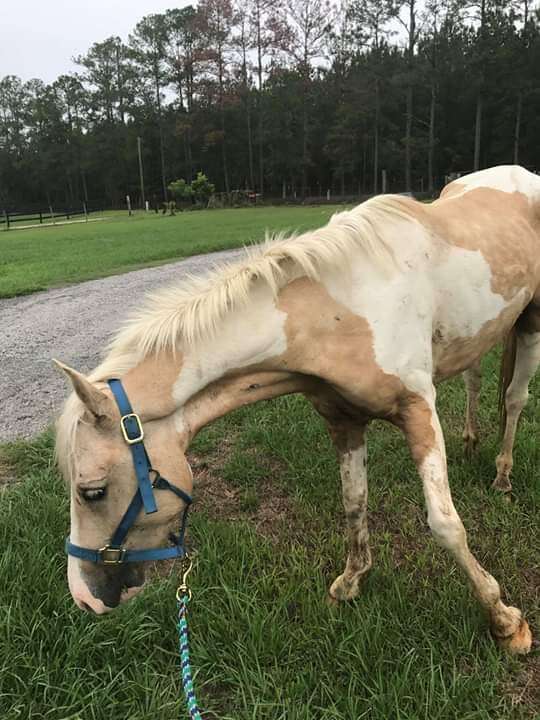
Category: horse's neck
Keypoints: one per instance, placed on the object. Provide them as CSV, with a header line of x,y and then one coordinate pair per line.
x,y
247,336
239,365
232,368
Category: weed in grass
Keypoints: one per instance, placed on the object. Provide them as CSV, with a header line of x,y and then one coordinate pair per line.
x,y
249,502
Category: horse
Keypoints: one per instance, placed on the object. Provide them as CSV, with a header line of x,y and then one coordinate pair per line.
x,y
364,316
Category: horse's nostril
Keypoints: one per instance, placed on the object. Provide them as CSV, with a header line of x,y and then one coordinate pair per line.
x,y
85,606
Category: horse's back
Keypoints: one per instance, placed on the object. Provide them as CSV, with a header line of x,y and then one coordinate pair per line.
x,y
495,212
504,178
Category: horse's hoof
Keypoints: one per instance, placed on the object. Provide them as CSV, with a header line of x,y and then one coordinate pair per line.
x,y
344,589
470,444
331,601
503,485
520,642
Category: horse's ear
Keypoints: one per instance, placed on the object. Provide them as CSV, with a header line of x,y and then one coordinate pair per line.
x,y
98,402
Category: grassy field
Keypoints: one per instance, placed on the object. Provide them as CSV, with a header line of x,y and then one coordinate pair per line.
x,y
37,259
267,527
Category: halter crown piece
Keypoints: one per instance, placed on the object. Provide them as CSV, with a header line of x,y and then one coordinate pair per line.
x,y
148,480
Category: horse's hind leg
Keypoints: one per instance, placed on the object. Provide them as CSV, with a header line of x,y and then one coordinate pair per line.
x,y
473,383
526,363
421,425
352,453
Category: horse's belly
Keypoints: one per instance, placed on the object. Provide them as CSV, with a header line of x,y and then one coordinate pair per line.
x,y
454,350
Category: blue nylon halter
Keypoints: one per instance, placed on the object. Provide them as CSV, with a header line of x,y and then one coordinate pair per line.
x,y
148,480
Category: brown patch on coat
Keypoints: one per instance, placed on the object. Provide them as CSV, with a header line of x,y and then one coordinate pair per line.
x,y
415,421
343,355
503,226
339,352
330,358
150,384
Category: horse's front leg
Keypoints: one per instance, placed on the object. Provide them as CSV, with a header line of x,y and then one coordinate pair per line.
x,y
351,447
423,431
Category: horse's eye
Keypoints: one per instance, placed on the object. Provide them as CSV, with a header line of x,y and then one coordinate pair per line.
x,y
93,494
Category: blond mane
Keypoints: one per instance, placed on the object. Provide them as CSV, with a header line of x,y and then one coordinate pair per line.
x,y
193,310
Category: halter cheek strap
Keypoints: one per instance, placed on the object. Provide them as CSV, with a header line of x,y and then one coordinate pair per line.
x,y
148,480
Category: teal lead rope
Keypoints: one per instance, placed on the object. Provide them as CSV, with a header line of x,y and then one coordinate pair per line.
x,y
183,596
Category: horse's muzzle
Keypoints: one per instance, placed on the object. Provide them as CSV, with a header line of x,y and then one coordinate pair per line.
x,y
100,589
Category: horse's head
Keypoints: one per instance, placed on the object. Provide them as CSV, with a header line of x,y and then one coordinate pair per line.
x,y
97,462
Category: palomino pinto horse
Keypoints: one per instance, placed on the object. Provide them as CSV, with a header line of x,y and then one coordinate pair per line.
x,y
363,316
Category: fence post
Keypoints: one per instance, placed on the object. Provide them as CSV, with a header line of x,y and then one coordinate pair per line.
x,y
6,216
40,218
67,214
52,213
85,211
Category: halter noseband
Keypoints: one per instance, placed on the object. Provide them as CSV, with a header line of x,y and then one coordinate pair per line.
x,y
148,480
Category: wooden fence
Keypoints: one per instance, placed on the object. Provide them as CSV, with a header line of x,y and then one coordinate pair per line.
x,y
8,218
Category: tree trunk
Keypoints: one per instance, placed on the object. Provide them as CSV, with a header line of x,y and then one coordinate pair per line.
x,y
259,104
363,184
224,150
376,139
478,131
517,128
188,155
84,186
304,151
409,109
247,100
431,146
189,104
304,134
162,156
408,135
260,133
222,119
250,143
120,83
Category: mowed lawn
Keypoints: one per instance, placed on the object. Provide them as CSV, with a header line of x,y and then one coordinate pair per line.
x,y
37,259
268,530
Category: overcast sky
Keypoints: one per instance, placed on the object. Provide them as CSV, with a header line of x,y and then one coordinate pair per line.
x,y
38,38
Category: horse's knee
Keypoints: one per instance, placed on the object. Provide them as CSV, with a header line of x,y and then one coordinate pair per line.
x,y
516,400
447,529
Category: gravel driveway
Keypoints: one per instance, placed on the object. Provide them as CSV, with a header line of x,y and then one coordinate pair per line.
x,y
72,324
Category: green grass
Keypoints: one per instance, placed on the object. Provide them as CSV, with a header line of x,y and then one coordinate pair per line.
x,y
32,260
265,646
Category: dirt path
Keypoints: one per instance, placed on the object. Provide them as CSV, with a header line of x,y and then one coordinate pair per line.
x,y
72,324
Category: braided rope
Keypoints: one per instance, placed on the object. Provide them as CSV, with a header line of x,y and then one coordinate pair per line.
x,y
183,644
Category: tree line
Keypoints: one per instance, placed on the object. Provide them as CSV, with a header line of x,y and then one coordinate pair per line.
x,y
282,97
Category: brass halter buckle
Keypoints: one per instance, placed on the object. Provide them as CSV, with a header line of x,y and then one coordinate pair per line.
x,y
139,438
111,556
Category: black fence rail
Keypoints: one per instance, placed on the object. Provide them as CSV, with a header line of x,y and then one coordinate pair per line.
x,y
9,218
